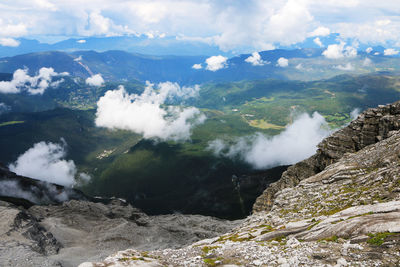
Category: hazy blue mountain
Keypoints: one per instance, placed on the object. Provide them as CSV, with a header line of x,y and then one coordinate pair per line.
x,y
116,65
135,44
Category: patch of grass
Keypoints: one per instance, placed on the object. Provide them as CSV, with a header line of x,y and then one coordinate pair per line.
x,y
360,215
267,229
333,238
312,225
207,249
235,238
10,123
377,239
262,124
213,261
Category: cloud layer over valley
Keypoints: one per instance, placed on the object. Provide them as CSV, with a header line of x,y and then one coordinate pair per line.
x,y
149,113
297,142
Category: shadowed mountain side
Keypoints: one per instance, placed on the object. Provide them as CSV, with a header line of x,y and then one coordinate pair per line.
x,y
26,192
160,179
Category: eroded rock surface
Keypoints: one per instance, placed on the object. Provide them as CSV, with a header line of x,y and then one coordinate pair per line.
x,y
68,234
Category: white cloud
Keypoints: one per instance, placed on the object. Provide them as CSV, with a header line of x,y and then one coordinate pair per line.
x,y
297,142
197,66
390,52
336,51
369,50
9,42
257,24
215,63
78,59
318,42
46,162
95,80
354,113
320,31
347,67
4,108
282,62
367,62
147,113
32,84
256,60
8,29
82,41
83,179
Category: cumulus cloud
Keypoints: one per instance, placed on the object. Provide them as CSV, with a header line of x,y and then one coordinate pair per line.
x,y
297,142
282,62
320,31
367,62
4,108
256,60
149,113
390,52
347,67
8,30
336,51
46,162
318,42
215,63
34,85
9,42
95,80
369,50
354,113
197,66
257,24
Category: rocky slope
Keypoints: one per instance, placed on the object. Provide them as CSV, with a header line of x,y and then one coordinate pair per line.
x,y
71,227
340,207
370,127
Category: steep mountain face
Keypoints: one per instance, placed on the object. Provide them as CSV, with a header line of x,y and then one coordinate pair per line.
x,y
371,127
68,227
341,207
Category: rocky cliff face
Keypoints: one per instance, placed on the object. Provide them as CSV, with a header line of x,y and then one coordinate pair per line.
x,y
77,231
44,224
340,207
369,128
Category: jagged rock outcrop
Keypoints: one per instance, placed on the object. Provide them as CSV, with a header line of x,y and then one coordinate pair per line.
x,y
44,224
371,126
75,231
344,214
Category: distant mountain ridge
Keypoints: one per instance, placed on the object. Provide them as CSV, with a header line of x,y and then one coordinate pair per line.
x,y
116,65
136,44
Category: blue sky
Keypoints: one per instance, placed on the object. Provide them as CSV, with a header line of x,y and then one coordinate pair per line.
x,y
231,25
